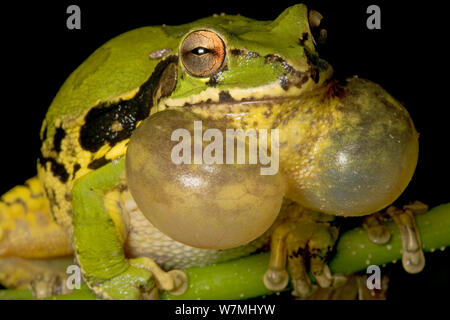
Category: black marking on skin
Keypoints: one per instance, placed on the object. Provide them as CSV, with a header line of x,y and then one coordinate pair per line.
x,y
301,252
122,187
292,76
315,255
237,52
68,196
50,195
317,65
57,139
315,60
268,113
76,167
240,52
225,97
44,133
303,39
277,122
167,81
97,163
52,198
284,83
214,79
119,205
97,131
207,104
57,168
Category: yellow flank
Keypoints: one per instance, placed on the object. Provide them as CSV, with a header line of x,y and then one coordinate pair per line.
x,y
27,228
71,156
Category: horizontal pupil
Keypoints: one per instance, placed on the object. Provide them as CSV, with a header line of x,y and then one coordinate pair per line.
x,y
200,51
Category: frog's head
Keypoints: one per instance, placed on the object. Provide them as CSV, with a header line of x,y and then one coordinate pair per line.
x,y
220,66
234,59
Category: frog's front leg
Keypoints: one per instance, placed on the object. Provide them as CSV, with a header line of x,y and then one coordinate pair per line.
x,y
305,238
98,239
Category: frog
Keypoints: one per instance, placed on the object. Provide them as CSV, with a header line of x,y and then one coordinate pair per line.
x,y
107,194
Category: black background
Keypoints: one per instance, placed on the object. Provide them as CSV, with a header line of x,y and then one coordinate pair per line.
x,y
408,57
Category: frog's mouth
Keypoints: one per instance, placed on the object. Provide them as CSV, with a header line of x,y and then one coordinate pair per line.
x,y
238,102
251,108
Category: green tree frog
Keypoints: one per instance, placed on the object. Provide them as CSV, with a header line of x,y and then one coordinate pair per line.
x,y
107,192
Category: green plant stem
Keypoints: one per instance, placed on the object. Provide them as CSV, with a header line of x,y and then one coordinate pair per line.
x,y
242,278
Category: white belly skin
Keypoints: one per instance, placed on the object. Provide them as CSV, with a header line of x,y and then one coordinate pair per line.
x,y
145,240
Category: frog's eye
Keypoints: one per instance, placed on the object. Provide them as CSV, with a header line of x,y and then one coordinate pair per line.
x,y
202,53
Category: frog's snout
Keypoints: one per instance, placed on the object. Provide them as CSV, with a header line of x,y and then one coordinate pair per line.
x,y
367,156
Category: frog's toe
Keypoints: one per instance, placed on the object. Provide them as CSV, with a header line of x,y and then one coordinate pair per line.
x,y
276,277
132,284
297,255
48,284
174,281
413,259
319,249
301,244
355,288
376,228
141,280
180,282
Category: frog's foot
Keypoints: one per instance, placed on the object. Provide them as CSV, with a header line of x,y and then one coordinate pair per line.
x,y
413,259
303,242
141,281
354,289
44,277
49,284
173,281
376,228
